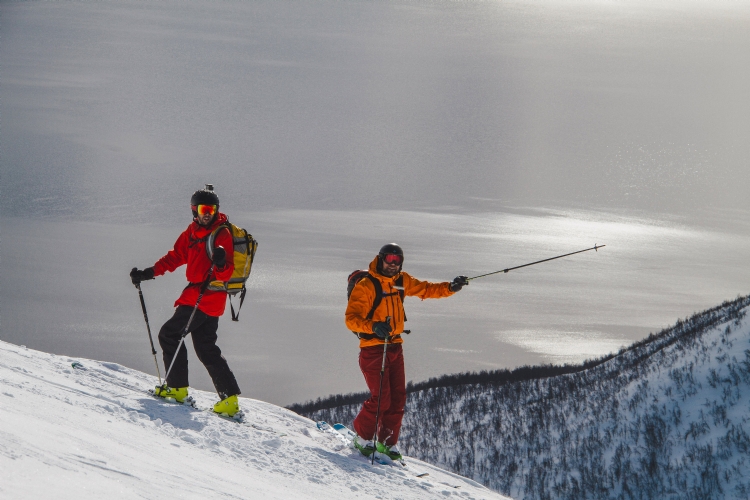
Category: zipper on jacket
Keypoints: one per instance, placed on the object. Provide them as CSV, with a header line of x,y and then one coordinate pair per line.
x,y
395,307
388,307
394,304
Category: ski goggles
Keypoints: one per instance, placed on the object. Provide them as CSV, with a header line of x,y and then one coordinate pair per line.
x,y
202,210
393,259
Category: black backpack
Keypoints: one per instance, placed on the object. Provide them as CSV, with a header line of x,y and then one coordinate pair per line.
x,y
357,276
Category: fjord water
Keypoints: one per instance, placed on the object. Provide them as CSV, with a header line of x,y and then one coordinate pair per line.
x,y
479,135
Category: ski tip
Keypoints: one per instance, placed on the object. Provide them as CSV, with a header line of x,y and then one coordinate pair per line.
x,y
424,474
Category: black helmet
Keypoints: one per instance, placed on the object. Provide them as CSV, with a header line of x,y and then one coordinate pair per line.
x,y
205,196
390,249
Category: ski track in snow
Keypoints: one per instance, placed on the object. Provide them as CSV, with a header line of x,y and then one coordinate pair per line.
x,y
95,432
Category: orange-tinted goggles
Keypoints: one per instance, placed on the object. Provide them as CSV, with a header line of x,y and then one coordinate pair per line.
x,y
205,210
393,259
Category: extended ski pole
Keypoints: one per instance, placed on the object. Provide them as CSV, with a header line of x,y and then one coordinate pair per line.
x,y
595,248
185,332
380,393
148,328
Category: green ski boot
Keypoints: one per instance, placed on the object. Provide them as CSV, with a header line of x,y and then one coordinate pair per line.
x,y
228,406
390,451
179,394
364,446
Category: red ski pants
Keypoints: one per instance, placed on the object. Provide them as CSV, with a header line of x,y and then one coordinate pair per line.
x,y
393,395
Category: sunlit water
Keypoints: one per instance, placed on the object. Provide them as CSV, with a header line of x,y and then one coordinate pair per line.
x,y
70,291
479,135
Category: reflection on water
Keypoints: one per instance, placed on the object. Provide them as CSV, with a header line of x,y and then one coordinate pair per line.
x,y
76,298
559,346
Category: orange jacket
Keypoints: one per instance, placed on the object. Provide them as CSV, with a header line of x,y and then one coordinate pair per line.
x,y
363,296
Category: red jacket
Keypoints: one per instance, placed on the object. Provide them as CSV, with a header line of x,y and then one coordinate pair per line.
x,y
190,249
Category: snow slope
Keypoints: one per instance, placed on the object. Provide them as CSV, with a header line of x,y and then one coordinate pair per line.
x,y
94,432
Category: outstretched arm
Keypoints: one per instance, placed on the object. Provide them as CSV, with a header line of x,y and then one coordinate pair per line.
x,y
425,289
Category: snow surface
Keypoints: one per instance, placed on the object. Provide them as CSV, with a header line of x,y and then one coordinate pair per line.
x,y
94,432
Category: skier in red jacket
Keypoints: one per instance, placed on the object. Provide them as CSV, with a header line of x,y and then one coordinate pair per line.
x,y
190,249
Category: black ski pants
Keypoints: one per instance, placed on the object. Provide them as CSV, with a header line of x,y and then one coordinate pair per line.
x,y
203,329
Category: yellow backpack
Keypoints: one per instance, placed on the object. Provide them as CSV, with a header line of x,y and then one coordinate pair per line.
x,y
244,253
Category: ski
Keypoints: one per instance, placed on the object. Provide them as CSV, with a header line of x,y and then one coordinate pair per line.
x,y
239,418
347,437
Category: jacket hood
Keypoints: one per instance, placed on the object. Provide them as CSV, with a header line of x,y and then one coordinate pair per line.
x,y
374,271
201,231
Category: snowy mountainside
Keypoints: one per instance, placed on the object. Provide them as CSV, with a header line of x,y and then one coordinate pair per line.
x,y
667,418
94,432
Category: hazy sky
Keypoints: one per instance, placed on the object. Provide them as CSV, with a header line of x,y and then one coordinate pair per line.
x,y
478,134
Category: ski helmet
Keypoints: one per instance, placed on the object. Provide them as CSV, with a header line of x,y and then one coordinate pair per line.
x,y
390,249
205,196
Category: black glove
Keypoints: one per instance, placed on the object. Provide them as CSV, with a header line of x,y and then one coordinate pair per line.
x,y
381,329
219,256
458,283
137,276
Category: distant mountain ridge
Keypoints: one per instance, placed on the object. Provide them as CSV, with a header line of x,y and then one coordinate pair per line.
x,y
483,377
665,418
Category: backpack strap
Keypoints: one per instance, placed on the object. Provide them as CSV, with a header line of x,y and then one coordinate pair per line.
x,y
378,295
212,238
236,317
376,302
371,336
195,241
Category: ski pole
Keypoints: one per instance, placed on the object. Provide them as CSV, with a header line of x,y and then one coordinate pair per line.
x,y
380,393
185,332
148,328
595,248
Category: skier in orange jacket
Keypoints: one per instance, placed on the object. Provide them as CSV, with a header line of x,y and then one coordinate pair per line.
x,y
373,329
